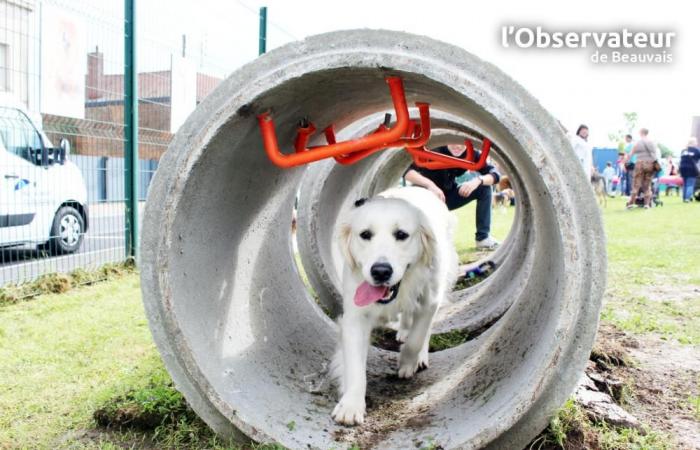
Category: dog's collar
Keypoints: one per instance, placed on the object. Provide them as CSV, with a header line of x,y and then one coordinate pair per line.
x,y
395,293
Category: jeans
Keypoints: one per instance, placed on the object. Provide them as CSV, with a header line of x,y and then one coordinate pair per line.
x,y
482,195
688,187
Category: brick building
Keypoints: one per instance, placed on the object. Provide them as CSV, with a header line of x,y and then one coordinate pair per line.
x,y
101,132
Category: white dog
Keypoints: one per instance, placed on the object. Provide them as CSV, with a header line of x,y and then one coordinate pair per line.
x,y
400,262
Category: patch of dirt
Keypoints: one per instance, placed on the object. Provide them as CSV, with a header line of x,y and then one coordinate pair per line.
x,y
389,408
665,377
662,376
650,378
670,292
611,347
129,416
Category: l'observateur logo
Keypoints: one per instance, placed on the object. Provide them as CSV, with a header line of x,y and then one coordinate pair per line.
x,y
622,46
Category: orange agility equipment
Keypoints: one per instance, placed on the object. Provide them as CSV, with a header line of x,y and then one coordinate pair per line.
x,y
407,134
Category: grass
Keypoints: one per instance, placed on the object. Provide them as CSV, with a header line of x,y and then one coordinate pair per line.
x,y
448,339
571,428
62,356
65,356
694,402
654,270
501,222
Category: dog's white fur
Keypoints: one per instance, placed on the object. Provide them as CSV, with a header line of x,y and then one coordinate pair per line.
x,y
426,265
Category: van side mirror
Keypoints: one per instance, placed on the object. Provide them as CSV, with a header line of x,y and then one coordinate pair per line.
x,y
65,149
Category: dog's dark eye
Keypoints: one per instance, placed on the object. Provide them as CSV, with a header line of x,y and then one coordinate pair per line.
x,y
366,235
400,235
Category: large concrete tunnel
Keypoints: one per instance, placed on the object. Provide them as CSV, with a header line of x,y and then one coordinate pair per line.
x,y
238,329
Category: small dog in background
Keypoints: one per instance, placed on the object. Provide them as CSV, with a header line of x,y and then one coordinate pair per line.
x,y
598,184
503,198
504,194
399,264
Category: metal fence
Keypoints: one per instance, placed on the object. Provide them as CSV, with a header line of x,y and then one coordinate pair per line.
x,y
62,125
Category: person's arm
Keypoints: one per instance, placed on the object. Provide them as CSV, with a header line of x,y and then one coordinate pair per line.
x,y
465,189
488,177
417,179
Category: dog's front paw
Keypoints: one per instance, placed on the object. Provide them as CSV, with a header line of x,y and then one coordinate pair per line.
x,y
349,411
409,364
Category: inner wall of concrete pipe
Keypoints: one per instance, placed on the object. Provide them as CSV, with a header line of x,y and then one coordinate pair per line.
x,y
329,188
236,327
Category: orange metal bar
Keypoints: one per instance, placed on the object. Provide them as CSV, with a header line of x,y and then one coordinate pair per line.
x,y
329,132
372,141
470,150
356,156
432,160
423,130
303,135
417,137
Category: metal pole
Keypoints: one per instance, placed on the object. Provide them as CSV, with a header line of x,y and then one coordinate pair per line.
x,y
262,36
131,131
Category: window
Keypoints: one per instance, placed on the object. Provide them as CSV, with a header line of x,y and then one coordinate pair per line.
x,y
4,69
19,135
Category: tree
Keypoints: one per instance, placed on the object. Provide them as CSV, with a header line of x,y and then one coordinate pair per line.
x,y
665,151
618,137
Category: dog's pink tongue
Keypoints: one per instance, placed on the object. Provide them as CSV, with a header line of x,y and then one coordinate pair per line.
x,y
366,294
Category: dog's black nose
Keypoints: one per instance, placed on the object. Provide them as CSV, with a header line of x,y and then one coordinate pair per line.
x,y
381,272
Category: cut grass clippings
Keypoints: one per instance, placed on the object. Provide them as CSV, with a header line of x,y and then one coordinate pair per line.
x,y
59,283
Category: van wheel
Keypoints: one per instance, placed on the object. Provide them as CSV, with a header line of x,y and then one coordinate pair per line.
x,y
66,232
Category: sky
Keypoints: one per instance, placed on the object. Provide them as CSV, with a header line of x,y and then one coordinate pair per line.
x,y
224,35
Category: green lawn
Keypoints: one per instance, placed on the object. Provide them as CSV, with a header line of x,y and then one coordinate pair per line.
x,y
501,221
654,269
62,356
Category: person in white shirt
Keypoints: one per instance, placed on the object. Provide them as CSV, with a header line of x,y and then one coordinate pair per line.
x,y
583,150
608,175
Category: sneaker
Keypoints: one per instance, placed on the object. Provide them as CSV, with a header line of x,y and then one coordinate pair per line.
x,y
489,243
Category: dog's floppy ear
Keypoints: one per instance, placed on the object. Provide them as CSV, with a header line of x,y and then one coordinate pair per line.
x,y
427,240
344,236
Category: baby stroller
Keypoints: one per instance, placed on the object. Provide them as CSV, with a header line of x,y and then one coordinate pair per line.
x,y
655,200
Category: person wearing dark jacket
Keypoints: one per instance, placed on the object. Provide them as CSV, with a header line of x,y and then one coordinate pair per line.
x,y
690,158
443,184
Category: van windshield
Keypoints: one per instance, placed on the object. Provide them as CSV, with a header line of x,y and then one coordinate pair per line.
x,y
18,135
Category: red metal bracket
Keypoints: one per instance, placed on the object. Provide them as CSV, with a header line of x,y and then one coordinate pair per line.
x,y
432,160
417,136
305,155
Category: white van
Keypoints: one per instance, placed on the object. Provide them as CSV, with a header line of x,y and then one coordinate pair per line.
x,y
43,198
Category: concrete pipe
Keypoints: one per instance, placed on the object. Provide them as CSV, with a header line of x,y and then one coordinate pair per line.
x,y
238,331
